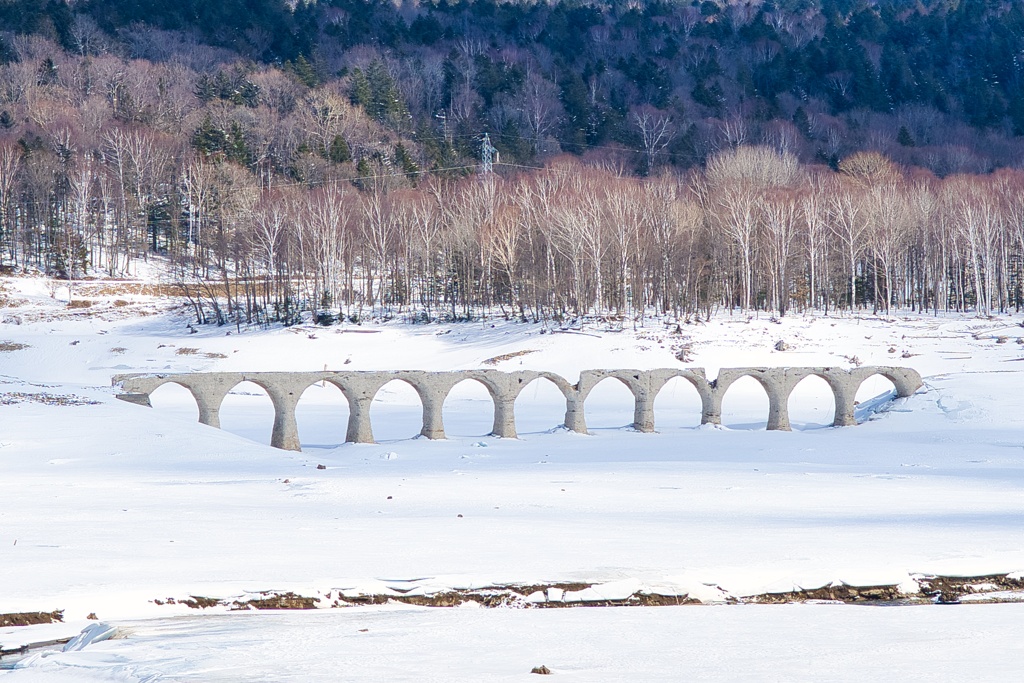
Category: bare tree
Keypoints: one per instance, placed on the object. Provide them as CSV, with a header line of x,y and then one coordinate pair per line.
x,y
10,161
656,133
849,227
780,214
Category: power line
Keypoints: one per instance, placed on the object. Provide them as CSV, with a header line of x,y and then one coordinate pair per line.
x,y
36,203
397,174
561,143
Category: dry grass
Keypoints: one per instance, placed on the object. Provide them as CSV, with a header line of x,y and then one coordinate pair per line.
x,y
12,346
508,356
12,397
79,303
30,618
108,289
192,351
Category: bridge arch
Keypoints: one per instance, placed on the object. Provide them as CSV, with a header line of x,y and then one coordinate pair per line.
x,y
871,392
675,398
903,386
175,398
740,400
473,388
248,409
811,402
403,411
321,414
619,389
541,394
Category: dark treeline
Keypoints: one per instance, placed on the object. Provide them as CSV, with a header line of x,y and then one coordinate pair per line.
x,y
932,83
325,159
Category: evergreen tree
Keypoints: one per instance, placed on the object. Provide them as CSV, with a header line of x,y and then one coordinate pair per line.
x,y
364,174
304,71
339,152
359,89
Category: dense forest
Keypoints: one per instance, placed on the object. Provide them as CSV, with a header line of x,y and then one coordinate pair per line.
x,y
677,157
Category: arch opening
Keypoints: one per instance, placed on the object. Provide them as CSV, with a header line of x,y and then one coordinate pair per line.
x,y
540,407
396,411
812,404
745,405
609,405
248,412
322,416
468,409
677,406
873,393
174,400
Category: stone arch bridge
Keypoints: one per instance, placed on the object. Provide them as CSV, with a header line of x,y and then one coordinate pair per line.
x,y
359,388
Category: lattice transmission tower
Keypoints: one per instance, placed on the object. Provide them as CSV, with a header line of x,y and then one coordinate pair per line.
x,y
487,154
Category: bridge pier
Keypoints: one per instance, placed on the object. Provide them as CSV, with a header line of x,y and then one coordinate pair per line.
x,y
209,391
359,390
433,413
845,395
359,429
779,384
285,389
575,417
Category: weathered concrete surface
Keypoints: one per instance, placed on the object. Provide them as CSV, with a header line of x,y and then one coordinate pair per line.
x,y
359,389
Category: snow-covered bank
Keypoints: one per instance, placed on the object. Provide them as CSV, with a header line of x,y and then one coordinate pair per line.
x,y
745,643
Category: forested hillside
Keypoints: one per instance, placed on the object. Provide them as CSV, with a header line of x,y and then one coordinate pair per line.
x,y
672,156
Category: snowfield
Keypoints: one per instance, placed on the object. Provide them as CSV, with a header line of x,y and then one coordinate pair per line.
x,y
112,509
608,645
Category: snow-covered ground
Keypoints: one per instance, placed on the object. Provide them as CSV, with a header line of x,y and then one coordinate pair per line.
x,y
753,643
108,507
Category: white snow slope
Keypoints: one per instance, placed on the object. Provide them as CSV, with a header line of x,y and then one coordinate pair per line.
x,y
106,508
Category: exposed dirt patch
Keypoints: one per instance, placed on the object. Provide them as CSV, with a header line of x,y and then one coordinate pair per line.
x,y
951,588
12,346
836,592
527,589
79,303
516,597
31,618
198,602
493,597
932,589
277,601
655,600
